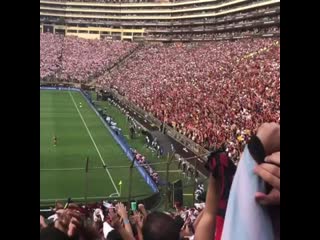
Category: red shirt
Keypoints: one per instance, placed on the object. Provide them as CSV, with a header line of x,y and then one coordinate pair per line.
x,y
219,227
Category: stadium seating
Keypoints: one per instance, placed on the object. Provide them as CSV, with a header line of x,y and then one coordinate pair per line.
x,y
166,20
229,88
78,60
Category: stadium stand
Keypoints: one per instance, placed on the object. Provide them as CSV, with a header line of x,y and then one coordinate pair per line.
x,y
74,59
224,107
162,21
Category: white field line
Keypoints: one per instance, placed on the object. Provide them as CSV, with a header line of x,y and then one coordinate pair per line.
x,y
94,143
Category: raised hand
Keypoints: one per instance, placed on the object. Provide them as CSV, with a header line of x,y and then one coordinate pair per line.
x,y
69,222
270,173
138,219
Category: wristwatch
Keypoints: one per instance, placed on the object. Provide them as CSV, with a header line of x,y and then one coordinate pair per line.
x,y
256,149
126,221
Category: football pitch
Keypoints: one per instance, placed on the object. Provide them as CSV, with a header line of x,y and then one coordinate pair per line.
x,y
80,135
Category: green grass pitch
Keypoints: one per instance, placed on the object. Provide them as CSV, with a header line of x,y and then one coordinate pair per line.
x,y
80,134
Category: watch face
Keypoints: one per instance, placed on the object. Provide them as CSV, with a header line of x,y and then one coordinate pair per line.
x,y
256,150
49,221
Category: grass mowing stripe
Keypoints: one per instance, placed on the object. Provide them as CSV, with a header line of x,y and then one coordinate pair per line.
x,y
67,169
84,123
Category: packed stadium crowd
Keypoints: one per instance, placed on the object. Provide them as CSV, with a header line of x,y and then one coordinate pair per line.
x,y
76,59
219,215
222,93
214,93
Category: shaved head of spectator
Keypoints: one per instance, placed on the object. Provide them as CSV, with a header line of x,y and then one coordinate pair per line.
x,y
159,226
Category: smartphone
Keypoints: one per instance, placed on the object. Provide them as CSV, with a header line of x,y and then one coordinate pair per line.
x,y
134,206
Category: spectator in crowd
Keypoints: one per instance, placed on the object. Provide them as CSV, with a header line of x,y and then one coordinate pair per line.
x,y
159,226
148,168
68,225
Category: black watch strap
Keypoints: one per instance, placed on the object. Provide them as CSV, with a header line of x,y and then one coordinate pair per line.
x,y
256,149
